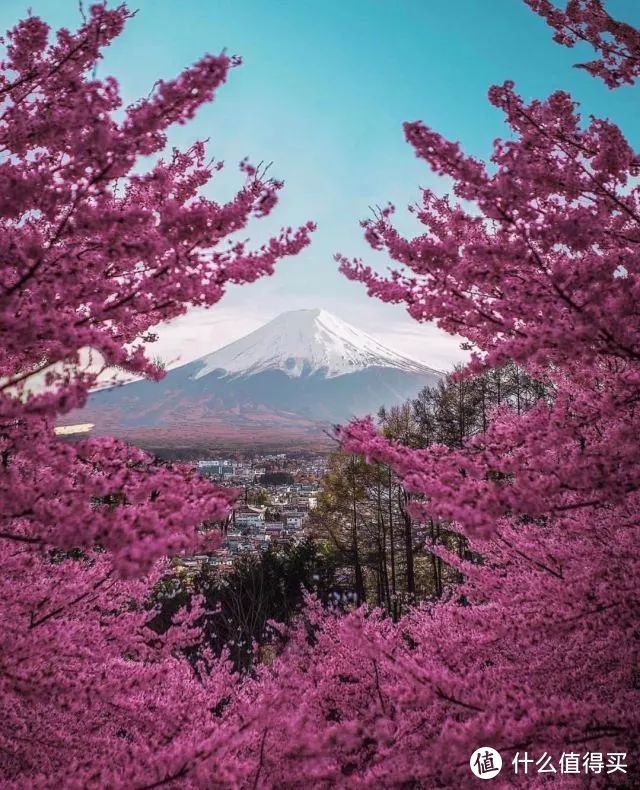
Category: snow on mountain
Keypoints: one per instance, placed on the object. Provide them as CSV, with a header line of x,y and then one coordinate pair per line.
x,y
282,385
302,343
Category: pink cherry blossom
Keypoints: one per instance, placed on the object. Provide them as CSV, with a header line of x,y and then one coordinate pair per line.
x,y
97,247
617,43
534,258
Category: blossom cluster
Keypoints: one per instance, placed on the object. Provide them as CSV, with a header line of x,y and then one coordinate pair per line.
x,y
617,43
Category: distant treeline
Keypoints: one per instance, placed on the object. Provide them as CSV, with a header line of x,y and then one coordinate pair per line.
x,y
363,518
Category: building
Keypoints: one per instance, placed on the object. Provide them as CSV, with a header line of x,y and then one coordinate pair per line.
x,y
216,468
248,516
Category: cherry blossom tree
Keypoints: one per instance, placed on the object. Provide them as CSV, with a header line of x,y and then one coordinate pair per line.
x,y
617,43
534,260
102,235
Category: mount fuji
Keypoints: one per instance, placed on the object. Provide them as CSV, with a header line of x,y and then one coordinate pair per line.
x,y
281,384
303,343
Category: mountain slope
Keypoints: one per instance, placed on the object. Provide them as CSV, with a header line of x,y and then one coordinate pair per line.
x,y
284,382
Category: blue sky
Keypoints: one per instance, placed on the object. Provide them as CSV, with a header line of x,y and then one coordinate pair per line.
x,y
322,93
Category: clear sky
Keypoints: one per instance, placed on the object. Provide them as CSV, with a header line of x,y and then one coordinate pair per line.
x,y
323,91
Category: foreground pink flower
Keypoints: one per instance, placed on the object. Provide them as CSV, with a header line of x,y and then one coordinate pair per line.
x,y
97,246
617,43
539,265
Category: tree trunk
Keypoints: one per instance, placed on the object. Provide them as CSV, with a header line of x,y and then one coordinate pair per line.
x,y
436,564
382,532
403,499
392,549
360,595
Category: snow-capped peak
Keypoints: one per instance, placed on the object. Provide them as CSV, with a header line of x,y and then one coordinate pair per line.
x,y
303,342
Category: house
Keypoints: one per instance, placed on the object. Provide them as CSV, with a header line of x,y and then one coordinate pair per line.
x,y
274,529
247,516
216,468
294,519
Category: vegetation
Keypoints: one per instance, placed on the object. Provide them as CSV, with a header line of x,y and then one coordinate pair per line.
x,y
534,649
238,604
384,554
